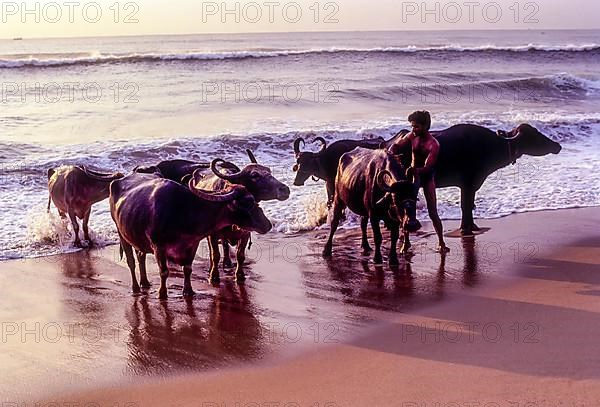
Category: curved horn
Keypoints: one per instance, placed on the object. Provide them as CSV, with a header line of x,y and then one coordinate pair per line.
x,y
251,156
323,143
381,181
215,170
212,196
297,145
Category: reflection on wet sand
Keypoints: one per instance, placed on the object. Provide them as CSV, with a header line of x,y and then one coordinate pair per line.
x,y
470,262
193,335
289,286
421,277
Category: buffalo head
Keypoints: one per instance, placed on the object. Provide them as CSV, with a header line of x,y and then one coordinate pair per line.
x,y
151,169
258,180
307,163
243,209
401,197
530,141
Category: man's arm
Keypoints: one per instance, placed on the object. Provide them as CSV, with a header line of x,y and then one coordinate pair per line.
x,y
431,159
399,146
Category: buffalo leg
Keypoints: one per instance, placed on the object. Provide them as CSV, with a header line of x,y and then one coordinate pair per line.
x,y
188,291
394,236
73,218
226,256
141,257
406,245
86,231
215,256
131,263
161,259
364,223
338,211
241,258
378,259
467,204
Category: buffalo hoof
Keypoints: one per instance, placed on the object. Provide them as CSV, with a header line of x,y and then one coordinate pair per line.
x,y
90,242
77,243
378,259
136,289
443,249
240,278
328,251
145,284
227,263
466,232
367,250
189,292
162,294
393,260
214,280
476,228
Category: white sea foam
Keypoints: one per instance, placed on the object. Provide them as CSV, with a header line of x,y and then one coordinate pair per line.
x,y
46,60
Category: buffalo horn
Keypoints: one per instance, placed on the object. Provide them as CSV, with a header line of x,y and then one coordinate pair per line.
x,y
323,143
251,156
215,197
231,178
381,181
297,143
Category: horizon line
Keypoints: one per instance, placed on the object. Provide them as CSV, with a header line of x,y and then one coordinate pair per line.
x,y
296,32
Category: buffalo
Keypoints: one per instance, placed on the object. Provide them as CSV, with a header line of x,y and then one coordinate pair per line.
x,y
257,178
324,165
160,216
74,189
260,182
363,185
470,153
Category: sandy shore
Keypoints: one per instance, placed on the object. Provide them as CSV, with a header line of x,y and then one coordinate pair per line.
x,y
511,316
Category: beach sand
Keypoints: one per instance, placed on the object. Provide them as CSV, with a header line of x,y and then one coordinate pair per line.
x,y
511,316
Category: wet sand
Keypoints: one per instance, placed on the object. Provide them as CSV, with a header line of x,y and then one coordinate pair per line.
x,y
512,315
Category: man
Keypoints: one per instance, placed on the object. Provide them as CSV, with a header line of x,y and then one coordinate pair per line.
x,y
425,149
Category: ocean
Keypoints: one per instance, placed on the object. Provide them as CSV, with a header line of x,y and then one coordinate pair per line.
x,y
116,102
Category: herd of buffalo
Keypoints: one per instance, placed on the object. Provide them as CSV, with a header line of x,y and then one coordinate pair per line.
x,y
168,208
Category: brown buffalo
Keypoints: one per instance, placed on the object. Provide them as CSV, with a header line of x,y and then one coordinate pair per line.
x,y
160,216
363,185
74,189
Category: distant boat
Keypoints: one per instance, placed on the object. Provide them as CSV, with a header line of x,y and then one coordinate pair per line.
x,y
18,39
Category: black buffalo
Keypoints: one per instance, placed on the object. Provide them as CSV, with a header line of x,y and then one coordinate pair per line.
x,y
470,153
363,185
324,165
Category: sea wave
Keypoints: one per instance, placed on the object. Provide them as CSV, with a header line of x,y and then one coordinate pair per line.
x,y
57,60
559,86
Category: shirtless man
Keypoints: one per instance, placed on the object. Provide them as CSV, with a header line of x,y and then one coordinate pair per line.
x,y
425,150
